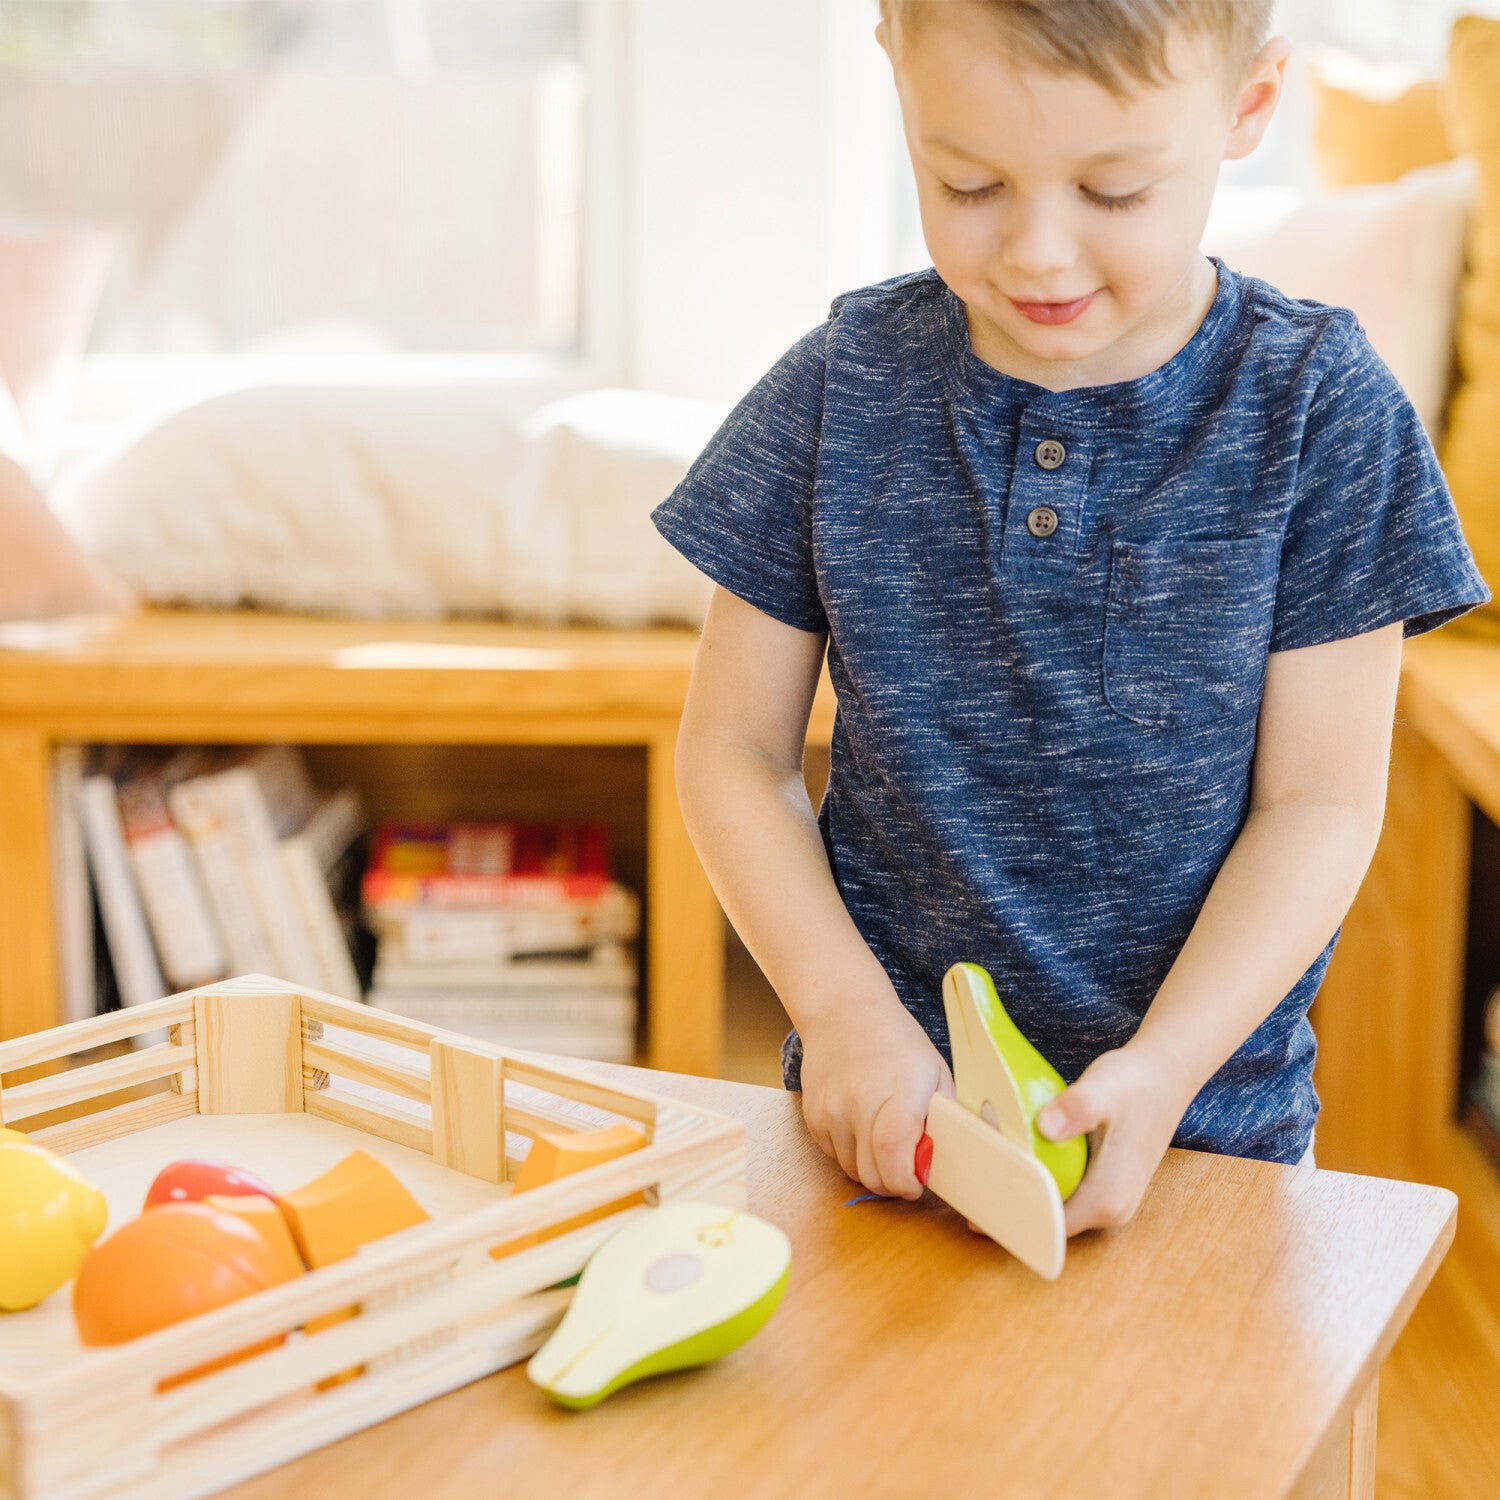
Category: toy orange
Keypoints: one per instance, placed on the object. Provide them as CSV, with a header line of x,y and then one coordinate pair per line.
x,y
173,1263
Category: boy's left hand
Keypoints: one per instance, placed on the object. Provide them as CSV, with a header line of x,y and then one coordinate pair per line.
x,y
1120,1102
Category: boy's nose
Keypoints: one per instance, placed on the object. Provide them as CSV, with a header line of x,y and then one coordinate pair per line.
x,y
1038,245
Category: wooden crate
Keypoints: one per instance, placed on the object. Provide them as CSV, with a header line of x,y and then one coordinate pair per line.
x,y
283,1083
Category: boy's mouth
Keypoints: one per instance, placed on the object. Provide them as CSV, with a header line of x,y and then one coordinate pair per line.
x,y
1053,312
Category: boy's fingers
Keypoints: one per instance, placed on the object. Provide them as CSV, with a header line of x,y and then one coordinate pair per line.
x,y
869,1171
1075,1111
844,1150
894,1134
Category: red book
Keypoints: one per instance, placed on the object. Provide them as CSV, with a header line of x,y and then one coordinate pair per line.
x,y
487,864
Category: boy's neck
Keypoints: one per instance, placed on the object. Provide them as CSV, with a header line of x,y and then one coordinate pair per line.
x,y
1138,353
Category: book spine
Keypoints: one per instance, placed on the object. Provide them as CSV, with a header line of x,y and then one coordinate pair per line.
x,y
177,908
424,934
252,837
308,884
382,886
608,968
195,807
559,1012
70,882
125,928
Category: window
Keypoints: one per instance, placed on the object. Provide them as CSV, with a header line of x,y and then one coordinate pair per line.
x,y
313,177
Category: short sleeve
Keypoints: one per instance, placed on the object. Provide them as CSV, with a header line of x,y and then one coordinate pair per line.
x,y
743,513
1372,536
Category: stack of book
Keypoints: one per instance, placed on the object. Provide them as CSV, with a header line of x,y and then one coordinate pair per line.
x,y
203,864
513,933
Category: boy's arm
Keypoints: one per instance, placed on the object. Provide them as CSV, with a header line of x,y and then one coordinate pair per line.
x,y
869,1070
1316,805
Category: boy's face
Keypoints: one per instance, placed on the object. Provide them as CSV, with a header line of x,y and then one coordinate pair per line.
x,y
1066,219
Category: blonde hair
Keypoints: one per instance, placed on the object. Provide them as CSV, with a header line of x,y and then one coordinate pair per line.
x,y
1116,43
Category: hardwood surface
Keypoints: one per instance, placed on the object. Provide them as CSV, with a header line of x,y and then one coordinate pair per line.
x,y
1218,1346
169,676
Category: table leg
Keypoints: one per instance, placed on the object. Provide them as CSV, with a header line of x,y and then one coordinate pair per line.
x,y
1343,1465
685,934
1362,1443
28,947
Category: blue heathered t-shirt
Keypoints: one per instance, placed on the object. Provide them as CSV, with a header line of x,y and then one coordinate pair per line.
x,y
1048,615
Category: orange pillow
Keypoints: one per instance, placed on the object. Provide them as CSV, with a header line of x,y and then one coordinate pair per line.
x,y
1471,451
1361,137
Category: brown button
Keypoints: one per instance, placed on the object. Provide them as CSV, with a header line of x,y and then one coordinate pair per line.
x,y
1050,454
1042,521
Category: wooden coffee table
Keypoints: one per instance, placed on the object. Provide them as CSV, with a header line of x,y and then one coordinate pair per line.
x,y
1227,1344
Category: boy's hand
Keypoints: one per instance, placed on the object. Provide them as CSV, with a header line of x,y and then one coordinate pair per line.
x,y
1130,1114
867,1079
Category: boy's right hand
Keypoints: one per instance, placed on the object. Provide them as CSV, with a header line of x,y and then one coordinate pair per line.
x,y
868,1075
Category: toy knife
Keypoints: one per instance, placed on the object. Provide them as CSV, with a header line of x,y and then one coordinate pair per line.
x,y
982,1152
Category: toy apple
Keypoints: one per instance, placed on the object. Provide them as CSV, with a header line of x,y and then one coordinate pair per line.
x,y
49,1216
192,1180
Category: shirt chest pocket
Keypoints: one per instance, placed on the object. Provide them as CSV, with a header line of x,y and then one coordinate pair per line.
x,y
1186,628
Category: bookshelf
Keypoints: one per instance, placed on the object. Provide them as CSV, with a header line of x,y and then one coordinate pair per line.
x,y
433,719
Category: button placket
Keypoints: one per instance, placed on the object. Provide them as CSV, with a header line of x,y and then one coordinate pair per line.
x,y
1047,495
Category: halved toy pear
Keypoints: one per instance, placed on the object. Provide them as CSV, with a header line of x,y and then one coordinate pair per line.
x,y
680,1285
982,1152
1017,1092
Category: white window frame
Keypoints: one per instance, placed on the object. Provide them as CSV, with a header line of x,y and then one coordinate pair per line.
x,y
118,393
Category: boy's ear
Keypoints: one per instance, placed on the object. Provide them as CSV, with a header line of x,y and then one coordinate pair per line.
x,y
1257,98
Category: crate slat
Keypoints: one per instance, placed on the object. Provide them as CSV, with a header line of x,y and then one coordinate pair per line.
x,y
393,1077
122,1119
94,1031
368,1022
524,1068
78,1085
326,1105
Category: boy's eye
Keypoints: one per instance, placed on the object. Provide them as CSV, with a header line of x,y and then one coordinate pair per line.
x,y
969,195
1103,200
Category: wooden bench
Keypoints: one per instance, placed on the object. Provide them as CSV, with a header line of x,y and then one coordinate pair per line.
x,y
167,676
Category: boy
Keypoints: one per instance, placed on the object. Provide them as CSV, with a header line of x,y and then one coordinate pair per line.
x,y
1110,549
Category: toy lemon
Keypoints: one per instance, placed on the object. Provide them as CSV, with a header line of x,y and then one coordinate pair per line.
x,y
49,1216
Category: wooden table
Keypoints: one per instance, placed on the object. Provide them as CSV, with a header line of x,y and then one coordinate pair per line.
x,y
169,676
1225,1344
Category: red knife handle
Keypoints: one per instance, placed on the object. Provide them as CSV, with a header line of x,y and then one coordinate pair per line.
x,y
924,1158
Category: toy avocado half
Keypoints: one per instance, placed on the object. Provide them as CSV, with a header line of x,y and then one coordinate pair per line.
x,y
679,1286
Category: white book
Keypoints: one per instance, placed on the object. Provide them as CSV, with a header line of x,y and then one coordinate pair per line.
x,y
167,876
130,949
71,897
425,934
307,880
542,1024
253,837
333,825
198,812
609,968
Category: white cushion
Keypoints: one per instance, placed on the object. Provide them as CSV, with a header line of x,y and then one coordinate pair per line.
x,y
412,501
1393,252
